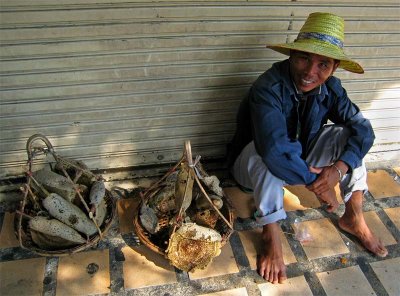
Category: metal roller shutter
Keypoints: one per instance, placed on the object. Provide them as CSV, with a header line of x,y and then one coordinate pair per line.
x,y
124,83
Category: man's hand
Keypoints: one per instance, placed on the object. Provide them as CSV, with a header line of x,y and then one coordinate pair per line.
x,y
329,198
328,177
324,186
315,170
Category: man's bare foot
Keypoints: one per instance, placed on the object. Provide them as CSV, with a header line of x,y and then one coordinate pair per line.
x,y
354,223
270,263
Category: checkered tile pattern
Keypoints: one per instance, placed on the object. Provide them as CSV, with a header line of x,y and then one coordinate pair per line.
x,y
332,263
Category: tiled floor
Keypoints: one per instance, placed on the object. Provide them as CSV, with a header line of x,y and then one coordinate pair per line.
x,y
329,263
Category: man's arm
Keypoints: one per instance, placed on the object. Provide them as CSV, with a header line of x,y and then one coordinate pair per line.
x,y
358,144
345,112
281,155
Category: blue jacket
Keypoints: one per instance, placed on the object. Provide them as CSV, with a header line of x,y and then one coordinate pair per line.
x,y
269,116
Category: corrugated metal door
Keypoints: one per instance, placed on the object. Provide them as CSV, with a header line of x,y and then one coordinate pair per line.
x,y
120,84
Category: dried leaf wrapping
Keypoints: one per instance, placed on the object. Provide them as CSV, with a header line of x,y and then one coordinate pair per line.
x,y
184,188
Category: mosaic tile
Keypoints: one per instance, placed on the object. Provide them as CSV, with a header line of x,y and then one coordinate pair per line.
x,y
126,209
381,184
22,277
8,238
394,215
232,292
388,272
291,202
223,264
378,228
251,240
242,203
143,267
305,197
345,281
326,240
86,271
291,287
295,198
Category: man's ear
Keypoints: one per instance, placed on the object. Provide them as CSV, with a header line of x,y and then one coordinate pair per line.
x,y
335,66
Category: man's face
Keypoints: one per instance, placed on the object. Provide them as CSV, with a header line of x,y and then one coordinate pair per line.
x,y
310,70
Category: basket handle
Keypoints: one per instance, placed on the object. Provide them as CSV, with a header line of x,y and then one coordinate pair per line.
x,y
188,153
32,139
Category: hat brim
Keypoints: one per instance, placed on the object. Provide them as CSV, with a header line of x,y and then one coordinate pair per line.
x,y
320,48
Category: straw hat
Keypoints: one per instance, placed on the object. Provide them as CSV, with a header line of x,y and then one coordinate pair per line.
x,y
323,34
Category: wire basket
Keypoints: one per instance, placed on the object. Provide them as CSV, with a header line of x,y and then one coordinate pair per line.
x,y
221,219
30,206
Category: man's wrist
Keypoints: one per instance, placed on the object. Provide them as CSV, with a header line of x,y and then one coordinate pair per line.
x,y
339,172
341,167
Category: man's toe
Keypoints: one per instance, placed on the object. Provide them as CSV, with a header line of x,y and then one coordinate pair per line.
x,y
382,252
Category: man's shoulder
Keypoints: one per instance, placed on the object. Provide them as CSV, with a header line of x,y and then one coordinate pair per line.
x,y
274,75
335,85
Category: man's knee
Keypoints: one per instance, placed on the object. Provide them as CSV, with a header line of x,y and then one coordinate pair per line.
x,y
328,145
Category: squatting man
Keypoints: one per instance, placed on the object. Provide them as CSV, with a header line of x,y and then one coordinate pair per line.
x,y
298,126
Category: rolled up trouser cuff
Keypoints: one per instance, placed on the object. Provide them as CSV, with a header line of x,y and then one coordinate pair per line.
x,y
270,218
250,171
356,181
